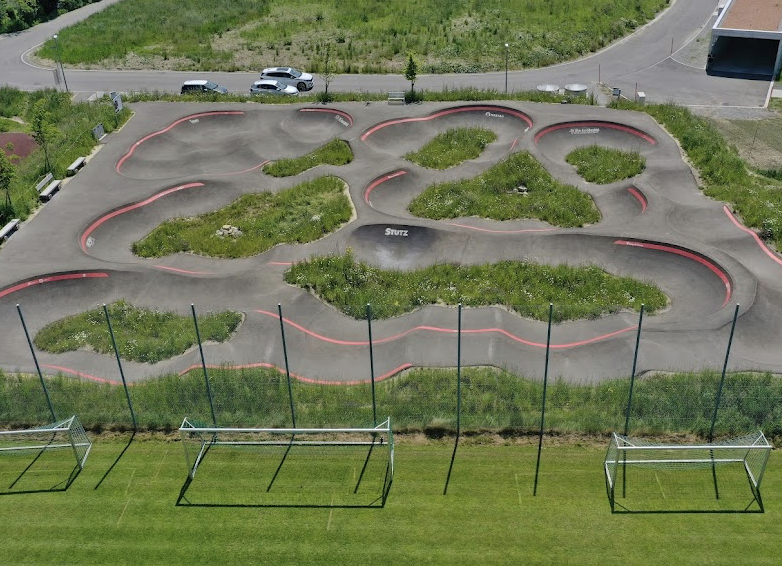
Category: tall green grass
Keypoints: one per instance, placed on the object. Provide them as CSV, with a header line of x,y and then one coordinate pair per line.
x,y
452,147
517,187
604,165
725,176
421,400
363,36
142,335
335,152
74,121
526,288
299,214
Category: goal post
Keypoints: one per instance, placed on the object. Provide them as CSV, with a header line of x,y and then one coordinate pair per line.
x,y
315,453
67,434
750,451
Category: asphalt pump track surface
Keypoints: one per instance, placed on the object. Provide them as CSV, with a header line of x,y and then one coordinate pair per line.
x,y
174,160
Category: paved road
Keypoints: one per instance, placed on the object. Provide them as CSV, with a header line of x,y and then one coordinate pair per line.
x,y
643,58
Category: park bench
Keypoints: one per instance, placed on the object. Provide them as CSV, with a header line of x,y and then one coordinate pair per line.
x,y
396,97
46,194
8,229
74,167
43,182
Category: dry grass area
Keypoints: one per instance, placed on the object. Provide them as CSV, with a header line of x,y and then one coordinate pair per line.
x,y
757,137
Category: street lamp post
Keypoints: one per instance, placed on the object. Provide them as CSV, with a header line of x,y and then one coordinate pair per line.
x,y
506,68
59,61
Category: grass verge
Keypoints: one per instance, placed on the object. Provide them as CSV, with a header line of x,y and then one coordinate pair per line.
x,y
604,165
452,147
526,288
299,214
74,123
335,152
419,400
142,335
445,95
499,194
724,175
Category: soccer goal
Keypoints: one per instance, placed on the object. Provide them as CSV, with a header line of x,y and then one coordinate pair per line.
x,y
328,466
67,434
751,452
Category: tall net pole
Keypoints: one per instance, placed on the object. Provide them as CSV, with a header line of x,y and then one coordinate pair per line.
x,y
722,379
203,366
458,394
119,365
630,396
37,367
287,368
543,404
371,364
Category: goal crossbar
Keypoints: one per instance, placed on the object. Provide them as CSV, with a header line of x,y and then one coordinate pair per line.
x,y
64,434
751,450
208,436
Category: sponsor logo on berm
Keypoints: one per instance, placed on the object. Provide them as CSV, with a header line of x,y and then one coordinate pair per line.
x,y
493,115
396,232
584,130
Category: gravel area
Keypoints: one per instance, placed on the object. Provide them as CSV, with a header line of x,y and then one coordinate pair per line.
x,y
761,15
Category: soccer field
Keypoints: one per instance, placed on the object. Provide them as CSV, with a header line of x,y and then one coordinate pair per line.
x,y
122,509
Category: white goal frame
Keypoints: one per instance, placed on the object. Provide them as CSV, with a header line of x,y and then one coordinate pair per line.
x,y
207,437
65,434
751,450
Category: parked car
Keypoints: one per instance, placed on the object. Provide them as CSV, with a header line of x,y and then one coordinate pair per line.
x,y
190,87
288,76
273,87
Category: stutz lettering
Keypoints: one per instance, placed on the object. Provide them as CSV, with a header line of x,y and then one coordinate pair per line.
x,y
396,232
493,115
342,121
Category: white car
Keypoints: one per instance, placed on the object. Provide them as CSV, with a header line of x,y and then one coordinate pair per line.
x,y
273,87
288,76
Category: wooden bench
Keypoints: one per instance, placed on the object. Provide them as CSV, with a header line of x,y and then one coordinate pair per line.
x,y
396,97
43,182
74,167
46,194
8,229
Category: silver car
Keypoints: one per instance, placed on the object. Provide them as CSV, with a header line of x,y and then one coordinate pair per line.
x,y
273,87
288,76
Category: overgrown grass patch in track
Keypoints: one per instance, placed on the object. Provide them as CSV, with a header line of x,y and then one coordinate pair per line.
x,y
335,152
142,335
526,288
604,165
517,187
300,214
452,147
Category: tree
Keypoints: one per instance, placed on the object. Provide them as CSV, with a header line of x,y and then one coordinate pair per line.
x,y
44,130
411,72
7,174
327,75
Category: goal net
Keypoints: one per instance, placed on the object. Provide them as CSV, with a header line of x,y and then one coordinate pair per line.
x,y
67,434
289,466
751,452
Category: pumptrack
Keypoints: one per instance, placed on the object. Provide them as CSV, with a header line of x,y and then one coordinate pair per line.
x,y
656,227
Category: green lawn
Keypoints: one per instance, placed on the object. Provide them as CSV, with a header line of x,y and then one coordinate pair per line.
x,y
452,147
362,36
121,510
335,152
604,165
298,214
517,187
